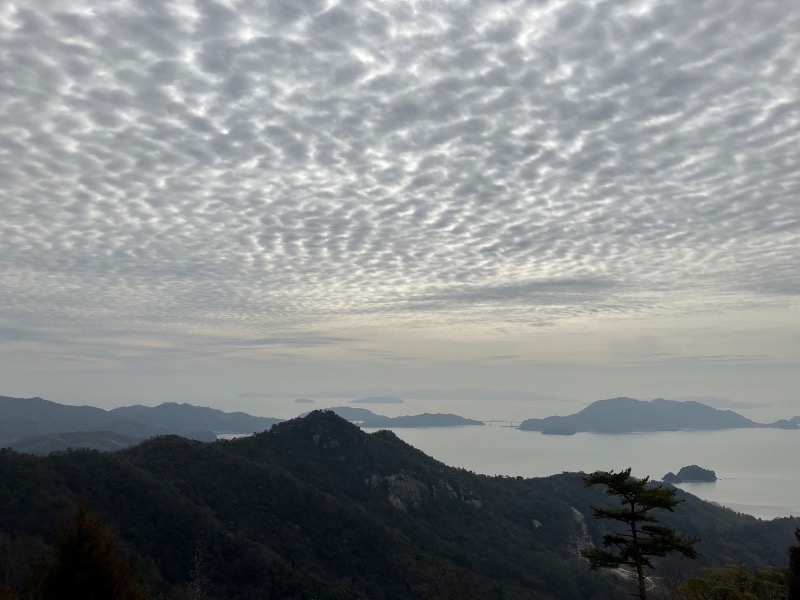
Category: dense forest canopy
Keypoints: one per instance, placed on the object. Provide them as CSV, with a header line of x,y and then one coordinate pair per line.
x,y
317,507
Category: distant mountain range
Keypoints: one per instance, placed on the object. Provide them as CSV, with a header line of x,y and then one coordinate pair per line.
x,y
40,426
172,416
627,415
378,400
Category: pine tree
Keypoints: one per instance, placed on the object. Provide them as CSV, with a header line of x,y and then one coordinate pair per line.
x,y
88,564
640,539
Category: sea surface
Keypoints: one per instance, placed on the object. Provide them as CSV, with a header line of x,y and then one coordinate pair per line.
x,y
758,469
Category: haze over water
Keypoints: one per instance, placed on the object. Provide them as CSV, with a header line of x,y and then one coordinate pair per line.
x,y
757,468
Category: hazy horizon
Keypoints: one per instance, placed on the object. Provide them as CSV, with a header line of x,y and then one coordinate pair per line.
x,y
575,199
476,403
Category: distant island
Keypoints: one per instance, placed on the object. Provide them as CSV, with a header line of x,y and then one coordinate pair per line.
x,y
423,420
691,474
627,415
303,401
370,420
378,400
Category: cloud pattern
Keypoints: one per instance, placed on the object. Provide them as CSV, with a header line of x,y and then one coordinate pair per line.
x,y
260,171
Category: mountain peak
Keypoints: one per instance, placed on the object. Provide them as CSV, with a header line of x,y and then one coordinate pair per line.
x,y
318,425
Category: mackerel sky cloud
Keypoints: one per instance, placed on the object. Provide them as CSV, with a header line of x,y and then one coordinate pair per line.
x,y
224,197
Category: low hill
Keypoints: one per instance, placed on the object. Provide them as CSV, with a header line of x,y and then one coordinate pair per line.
x,y
104,441
316,507
626,415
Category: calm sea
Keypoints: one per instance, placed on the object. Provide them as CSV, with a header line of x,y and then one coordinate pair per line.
x,y
758,468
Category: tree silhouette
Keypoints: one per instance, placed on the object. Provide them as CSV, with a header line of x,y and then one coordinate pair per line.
x,y
794,569
88,564
640,539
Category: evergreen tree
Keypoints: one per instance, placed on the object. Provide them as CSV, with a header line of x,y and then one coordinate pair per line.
x,y
640,539
88,564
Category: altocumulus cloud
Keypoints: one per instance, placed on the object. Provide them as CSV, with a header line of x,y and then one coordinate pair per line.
x,y
192,166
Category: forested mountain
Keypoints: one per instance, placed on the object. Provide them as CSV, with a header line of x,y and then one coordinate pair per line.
x,y
625,415
315,507
30,423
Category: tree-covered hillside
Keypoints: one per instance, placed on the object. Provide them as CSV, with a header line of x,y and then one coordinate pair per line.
x,y
315,507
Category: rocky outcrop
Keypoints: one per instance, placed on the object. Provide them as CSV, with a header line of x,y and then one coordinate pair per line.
x,y
404,492
580,541
690,474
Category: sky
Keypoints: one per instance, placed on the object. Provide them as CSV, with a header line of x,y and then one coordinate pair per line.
x,y
204,201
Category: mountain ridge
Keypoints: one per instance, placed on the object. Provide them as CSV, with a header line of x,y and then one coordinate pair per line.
x,y
316,507
22,418
367,418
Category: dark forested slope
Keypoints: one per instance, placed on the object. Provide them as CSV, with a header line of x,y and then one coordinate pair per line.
x,y
317,507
